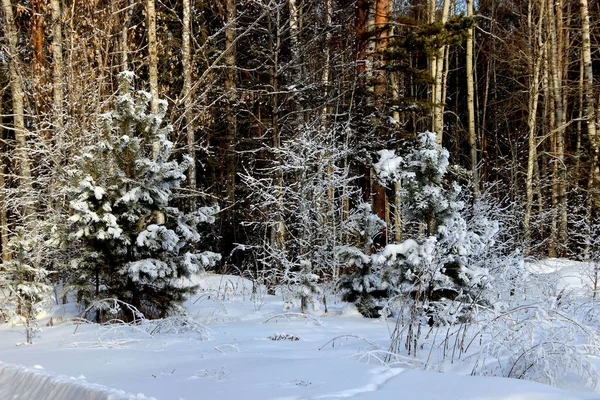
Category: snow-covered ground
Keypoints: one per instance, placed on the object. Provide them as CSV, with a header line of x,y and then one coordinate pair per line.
x,y
253,351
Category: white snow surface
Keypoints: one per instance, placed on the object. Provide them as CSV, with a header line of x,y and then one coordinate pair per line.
x,y
18,382
330,357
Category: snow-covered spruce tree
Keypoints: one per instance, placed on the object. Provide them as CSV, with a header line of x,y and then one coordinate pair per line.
x,y
443,269
362,285
133,243
305,213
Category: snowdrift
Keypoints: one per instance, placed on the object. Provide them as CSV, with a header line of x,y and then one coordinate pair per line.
x,y
17,382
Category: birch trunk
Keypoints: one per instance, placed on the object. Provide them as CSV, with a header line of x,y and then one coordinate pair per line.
x,y
16,88
326,110
559,214
439,60
57,70
187,95
531,121
277,238
471,105
153,75
431,8
294,32
325,77
124,37
580,116
590,115
562,48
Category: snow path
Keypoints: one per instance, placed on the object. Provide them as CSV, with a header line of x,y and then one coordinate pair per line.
x,y
17,382
382,375
388,383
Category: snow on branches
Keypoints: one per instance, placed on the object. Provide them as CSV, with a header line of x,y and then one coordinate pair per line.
x,y
132,241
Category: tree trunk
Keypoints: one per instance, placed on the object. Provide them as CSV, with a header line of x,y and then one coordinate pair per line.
x,y
531,119
57,70
325,77
37,44
471,105
562,37
382,20
152,54
580,116
186,58
16,88
378,22
295,38
559,215
124,40
360,26
277,234
230,89
438,61
6,256
153,75
590,116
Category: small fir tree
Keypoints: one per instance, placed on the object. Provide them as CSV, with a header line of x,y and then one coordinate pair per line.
x,y
133,242
443,268
362,285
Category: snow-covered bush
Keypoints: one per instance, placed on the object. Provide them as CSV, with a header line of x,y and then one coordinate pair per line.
x,y
537,343
299,224
24,281
131,242
301,285
587,239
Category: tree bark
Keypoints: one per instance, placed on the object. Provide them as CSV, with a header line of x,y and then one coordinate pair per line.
x,y
16,88
360,26
153,75
152,54
378,24
580,116
186,58
593,202
382,20
559,215
562,40
295,35
57,69
325,77
438,61
6,255
37,45
471,105
124,37
230,92
277,234
536,59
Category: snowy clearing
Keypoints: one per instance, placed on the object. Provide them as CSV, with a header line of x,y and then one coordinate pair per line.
x,y
254,351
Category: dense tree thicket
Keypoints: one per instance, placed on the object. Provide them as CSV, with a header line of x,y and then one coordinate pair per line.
x,y
282,112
